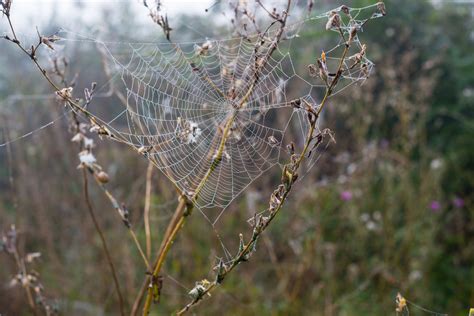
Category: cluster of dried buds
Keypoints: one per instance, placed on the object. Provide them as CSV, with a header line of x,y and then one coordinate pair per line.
x,y
335,22
29,280
6,5
199,289
89,161
203,49
8,242
401,303
158,18
187,131
320,69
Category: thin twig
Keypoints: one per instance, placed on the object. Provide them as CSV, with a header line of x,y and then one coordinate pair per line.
x,y
146,210
103,241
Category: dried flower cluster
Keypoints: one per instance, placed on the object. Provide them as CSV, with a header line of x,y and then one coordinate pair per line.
x,y
6,6
25,277
160,19
187,131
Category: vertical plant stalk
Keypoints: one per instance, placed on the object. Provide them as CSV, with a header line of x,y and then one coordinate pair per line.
x,y
21,265
146,210
183,209
103,241
185,206
121,212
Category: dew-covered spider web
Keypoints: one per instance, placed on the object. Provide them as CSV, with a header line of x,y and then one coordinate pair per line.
x,y
180,97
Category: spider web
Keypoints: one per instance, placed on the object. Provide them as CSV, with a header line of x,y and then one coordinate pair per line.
x,y
180,97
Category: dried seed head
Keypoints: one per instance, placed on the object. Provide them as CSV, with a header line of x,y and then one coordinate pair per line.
x,y
65,93
77,138
313,70
345,9
290,148
49,41
323,70
334,21
6,5
9,240
103,177
310,5
381,8
204,48
359,56
273,141
86,158
30,257
401,303
197,291
144,149
365,69
296,103
352,34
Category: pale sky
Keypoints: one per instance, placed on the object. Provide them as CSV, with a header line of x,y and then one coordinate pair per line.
x,y
28,12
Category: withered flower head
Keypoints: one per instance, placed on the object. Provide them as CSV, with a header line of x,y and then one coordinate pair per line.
x,y
102,177
313,70
6,5
323,69
401,303
334,21
296,103
204,48
345,9
352,33
381,8
49,41
65,93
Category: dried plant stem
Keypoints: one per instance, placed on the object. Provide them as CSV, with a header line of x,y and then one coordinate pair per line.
x,y
103,241
147,286
146,210
139,298
185,207
22,267
116,205
246,250
241,255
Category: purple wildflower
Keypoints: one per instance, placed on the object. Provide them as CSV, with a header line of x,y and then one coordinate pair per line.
x,y
435,206
458,202
346,195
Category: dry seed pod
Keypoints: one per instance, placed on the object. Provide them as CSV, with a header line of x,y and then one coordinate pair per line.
x,y
323,70
334,21
65,93
401,303
381,8
313,70
345,9
352,34
103,177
